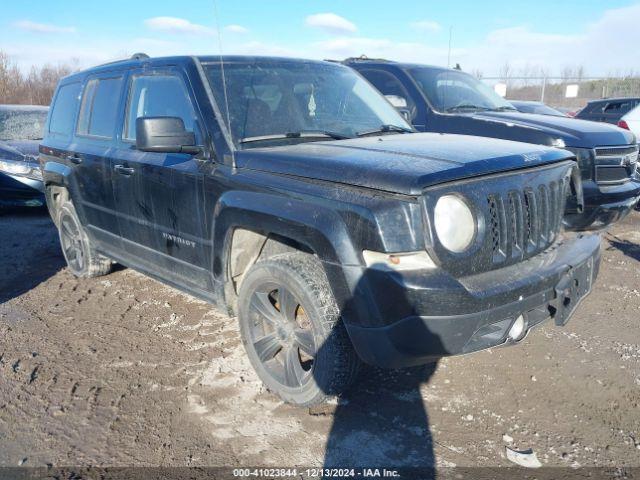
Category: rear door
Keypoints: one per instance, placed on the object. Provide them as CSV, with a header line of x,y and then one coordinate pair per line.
x,y
159,196
58,138
89,156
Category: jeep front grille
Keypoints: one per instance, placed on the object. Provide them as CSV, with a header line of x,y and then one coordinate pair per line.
x,y
526,221
519,215
615,165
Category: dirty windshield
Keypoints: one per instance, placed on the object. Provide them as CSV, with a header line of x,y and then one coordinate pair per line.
x,y
275,103
449,91
22,124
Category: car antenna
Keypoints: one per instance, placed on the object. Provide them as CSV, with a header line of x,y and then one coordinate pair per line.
x,y
224,80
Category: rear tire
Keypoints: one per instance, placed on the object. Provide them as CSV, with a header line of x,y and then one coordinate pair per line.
x,y
292,332
82,259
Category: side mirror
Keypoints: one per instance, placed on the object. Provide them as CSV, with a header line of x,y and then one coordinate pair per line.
x,y
401,105
164,134
397,101
406,114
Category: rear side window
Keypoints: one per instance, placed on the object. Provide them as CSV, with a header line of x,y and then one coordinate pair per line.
x,y
591,109
158,96
99,111
619,107
64,109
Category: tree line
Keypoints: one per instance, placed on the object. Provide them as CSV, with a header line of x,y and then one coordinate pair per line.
x,y
34,87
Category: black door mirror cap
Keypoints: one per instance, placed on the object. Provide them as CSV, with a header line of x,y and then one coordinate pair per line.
x,y
164,134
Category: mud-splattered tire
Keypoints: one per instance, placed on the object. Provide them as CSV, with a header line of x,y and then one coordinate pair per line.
x,y
292,332
81,257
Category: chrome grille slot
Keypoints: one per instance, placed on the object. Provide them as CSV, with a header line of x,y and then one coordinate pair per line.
x,y
545,227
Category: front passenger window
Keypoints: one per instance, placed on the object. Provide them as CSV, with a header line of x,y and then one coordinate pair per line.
x,y
158,96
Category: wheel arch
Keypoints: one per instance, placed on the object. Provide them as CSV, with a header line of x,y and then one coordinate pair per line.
x,y
249,225
56,187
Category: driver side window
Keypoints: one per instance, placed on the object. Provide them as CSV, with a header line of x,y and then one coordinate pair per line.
x,y
158,96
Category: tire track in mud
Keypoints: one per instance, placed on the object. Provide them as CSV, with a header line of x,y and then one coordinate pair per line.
x,y
127,371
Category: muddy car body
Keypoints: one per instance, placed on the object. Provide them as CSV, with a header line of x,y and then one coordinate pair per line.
x,y
287,192
451,101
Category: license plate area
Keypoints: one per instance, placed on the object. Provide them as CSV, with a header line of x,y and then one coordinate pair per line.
x,y
570,290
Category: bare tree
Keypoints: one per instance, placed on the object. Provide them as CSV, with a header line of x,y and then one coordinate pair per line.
x,y
35,87
506,72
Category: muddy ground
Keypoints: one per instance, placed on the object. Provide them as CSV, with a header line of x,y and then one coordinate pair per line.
x,y
122,370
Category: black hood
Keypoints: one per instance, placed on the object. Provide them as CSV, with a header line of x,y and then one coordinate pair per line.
x,y
403,163
540,129
19,149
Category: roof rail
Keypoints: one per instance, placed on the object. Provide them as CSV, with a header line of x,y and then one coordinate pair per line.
x,y
140,56
364,58
135,56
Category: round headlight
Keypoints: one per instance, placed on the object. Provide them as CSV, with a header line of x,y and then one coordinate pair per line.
x,y
454,223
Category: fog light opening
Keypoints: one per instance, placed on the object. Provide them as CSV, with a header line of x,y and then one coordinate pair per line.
x,y
518,329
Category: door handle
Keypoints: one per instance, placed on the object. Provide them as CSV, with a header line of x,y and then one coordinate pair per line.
x,y
122,170
74,159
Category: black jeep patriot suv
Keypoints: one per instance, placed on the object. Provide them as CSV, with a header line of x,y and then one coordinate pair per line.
x,y
287,192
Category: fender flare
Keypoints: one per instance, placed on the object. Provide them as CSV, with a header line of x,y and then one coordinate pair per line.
x,y
55,173
319,228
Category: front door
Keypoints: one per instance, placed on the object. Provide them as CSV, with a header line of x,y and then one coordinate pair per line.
x,y
159,196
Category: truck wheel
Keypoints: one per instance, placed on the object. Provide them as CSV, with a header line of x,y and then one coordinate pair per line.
x,y
81,257
292,332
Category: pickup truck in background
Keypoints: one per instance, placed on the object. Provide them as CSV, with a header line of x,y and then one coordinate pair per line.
x,y
437,99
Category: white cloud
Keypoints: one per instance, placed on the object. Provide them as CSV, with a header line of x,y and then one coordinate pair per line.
x,y
177,25
236,29
593,47
34,27
427,26
521,46
603,47
331,23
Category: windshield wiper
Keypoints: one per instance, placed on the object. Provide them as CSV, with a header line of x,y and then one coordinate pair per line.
x,y
504,108
466,106
386,128
300,134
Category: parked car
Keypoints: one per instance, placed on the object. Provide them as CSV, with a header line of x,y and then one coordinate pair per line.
x,y
631,121
535,107
450,101
21,130
289,193
609,110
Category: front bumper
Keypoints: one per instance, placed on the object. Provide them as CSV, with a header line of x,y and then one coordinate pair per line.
x,y
605,205
433,315
18,191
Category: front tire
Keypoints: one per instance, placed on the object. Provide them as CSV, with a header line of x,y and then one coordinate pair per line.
x,y
292,332
82,259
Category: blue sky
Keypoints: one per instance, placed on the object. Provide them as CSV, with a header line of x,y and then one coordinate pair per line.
x,y
600,35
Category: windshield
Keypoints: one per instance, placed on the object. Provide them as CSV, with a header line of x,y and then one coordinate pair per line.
x,y
22,125
280,102
450,91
